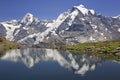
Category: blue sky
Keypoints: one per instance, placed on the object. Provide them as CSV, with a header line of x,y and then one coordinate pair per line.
x,y
50,9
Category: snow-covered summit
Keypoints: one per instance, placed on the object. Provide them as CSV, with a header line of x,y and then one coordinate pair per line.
x,y
27,19
84,10
118,17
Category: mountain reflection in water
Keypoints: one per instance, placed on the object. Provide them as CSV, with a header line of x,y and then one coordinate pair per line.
x,y
79,63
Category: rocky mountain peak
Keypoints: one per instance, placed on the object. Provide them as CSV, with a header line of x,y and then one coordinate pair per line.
x,y
84,10
80,6
117,17
27,19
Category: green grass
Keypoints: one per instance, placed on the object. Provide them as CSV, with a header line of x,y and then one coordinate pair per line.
x,y
7,45
107,46
103,49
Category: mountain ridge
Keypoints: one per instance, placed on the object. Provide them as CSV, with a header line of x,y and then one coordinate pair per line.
x,y
77,25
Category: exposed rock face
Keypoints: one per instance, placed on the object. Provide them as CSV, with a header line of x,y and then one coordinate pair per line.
x,y
116,52
77,25
2,30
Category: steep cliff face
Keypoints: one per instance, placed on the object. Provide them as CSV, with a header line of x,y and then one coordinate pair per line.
x,y
77,25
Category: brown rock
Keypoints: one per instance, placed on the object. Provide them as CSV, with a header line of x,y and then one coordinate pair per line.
x,y
117,54
118,48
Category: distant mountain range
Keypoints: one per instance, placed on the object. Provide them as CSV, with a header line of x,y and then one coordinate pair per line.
x,y
76,25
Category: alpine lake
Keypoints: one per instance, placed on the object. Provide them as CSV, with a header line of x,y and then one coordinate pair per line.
x,y
52,64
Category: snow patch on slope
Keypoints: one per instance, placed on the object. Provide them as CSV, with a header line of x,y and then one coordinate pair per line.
x,y
72,16
10,30
30,36
16,32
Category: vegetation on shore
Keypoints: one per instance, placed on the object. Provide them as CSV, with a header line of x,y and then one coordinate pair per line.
x,y
7,45
109,49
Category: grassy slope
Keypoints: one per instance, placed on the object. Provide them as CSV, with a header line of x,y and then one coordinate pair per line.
x,y
105,48
7,45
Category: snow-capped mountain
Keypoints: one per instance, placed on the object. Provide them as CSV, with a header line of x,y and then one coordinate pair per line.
x,y
80,64
77,25
26,28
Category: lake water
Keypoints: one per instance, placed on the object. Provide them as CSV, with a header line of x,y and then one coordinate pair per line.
x,y
48,64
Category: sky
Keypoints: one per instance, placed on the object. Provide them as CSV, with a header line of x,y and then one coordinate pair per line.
x,y
50,9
